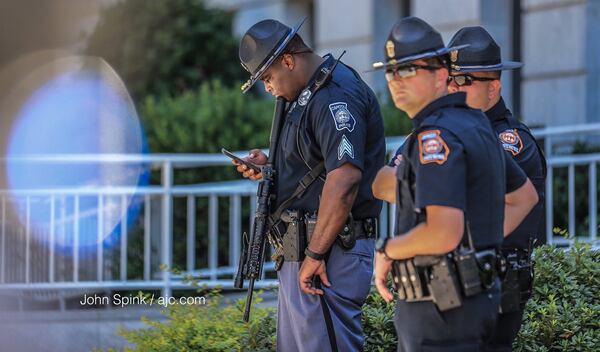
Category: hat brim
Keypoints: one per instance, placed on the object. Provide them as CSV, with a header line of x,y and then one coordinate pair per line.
x,y
502,66
426,55
255,77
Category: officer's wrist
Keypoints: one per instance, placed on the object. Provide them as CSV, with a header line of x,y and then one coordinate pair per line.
x,y
381,246
314,255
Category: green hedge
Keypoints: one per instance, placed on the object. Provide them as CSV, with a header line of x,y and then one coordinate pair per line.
x,y
563,315
564,312
210,328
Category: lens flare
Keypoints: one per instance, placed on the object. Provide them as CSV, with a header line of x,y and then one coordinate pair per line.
x,y
74,111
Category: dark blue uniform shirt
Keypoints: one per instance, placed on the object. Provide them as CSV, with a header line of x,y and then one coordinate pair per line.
x,y
453,159
520,145
341,124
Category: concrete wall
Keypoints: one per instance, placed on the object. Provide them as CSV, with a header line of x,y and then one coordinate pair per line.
x,y
554,77
559,83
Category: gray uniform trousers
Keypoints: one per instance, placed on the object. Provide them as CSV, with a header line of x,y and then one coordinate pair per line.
x,y
301,322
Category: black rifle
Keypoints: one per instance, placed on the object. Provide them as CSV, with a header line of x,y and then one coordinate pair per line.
x,y
252,258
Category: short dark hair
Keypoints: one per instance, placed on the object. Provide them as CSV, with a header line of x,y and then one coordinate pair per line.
x,y
296,46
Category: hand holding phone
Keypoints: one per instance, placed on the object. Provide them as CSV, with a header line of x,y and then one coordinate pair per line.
x,y
248,164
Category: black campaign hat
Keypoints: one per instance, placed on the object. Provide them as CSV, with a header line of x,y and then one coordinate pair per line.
x,y
412,39
262,44
482,55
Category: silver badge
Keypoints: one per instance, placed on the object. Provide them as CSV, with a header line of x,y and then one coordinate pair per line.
x,y
304,96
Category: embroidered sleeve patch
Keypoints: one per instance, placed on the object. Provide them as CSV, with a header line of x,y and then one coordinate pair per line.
x,y
342,116
511,141
432,148
345,147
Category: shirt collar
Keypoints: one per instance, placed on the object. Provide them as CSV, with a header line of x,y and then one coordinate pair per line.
x,y
454,99
328,60
497,112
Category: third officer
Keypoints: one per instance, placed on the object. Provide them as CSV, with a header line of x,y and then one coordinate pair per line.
x,y
476,71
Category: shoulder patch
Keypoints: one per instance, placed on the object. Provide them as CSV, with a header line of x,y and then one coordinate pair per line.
x,y
342,117
511,141
345,147
432,148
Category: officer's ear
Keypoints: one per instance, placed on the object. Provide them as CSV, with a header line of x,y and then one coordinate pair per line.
x,y
441,78
288,62
494,89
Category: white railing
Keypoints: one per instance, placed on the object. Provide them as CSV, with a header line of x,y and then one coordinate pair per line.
x,y
26,265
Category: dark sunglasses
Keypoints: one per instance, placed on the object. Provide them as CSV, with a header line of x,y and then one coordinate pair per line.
x,y
407,71
467,80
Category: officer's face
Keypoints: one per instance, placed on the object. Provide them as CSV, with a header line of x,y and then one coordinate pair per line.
x,y
279,79
482,88
411,94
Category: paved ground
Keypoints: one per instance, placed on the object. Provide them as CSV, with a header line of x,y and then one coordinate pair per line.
x,y
76,330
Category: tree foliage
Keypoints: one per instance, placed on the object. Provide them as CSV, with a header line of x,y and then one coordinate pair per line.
x,y
166,46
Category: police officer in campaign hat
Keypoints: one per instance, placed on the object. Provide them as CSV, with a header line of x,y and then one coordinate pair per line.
x,y
451,187
337,129
476,71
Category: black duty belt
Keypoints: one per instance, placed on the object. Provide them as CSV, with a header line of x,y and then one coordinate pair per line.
x,y
297,227
446,279
363,228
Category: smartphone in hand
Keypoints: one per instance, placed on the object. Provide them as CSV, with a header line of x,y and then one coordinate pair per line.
x,y
248,164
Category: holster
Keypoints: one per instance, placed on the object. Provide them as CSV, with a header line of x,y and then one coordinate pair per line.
x,y
295,238
517,283
427,278
445,279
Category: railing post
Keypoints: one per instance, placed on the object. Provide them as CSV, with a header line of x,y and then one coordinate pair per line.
x,y
191,233
27,238
235,229
76,238
147,233
593,201
167,226
213,245
3,251
549,191
383,221
123,253
571,197
100,234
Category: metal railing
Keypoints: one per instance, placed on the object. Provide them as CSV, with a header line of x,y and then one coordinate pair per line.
x,y
27,266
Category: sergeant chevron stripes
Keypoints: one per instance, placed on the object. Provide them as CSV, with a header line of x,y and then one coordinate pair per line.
x,y
345,147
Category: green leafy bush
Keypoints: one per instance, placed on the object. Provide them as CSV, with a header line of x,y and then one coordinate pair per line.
x,y
206,119
378,324
564,312
214,327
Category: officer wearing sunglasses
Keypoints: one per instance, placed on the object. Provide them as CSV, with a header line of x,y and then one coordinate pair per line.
x,y
476,71
451,191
